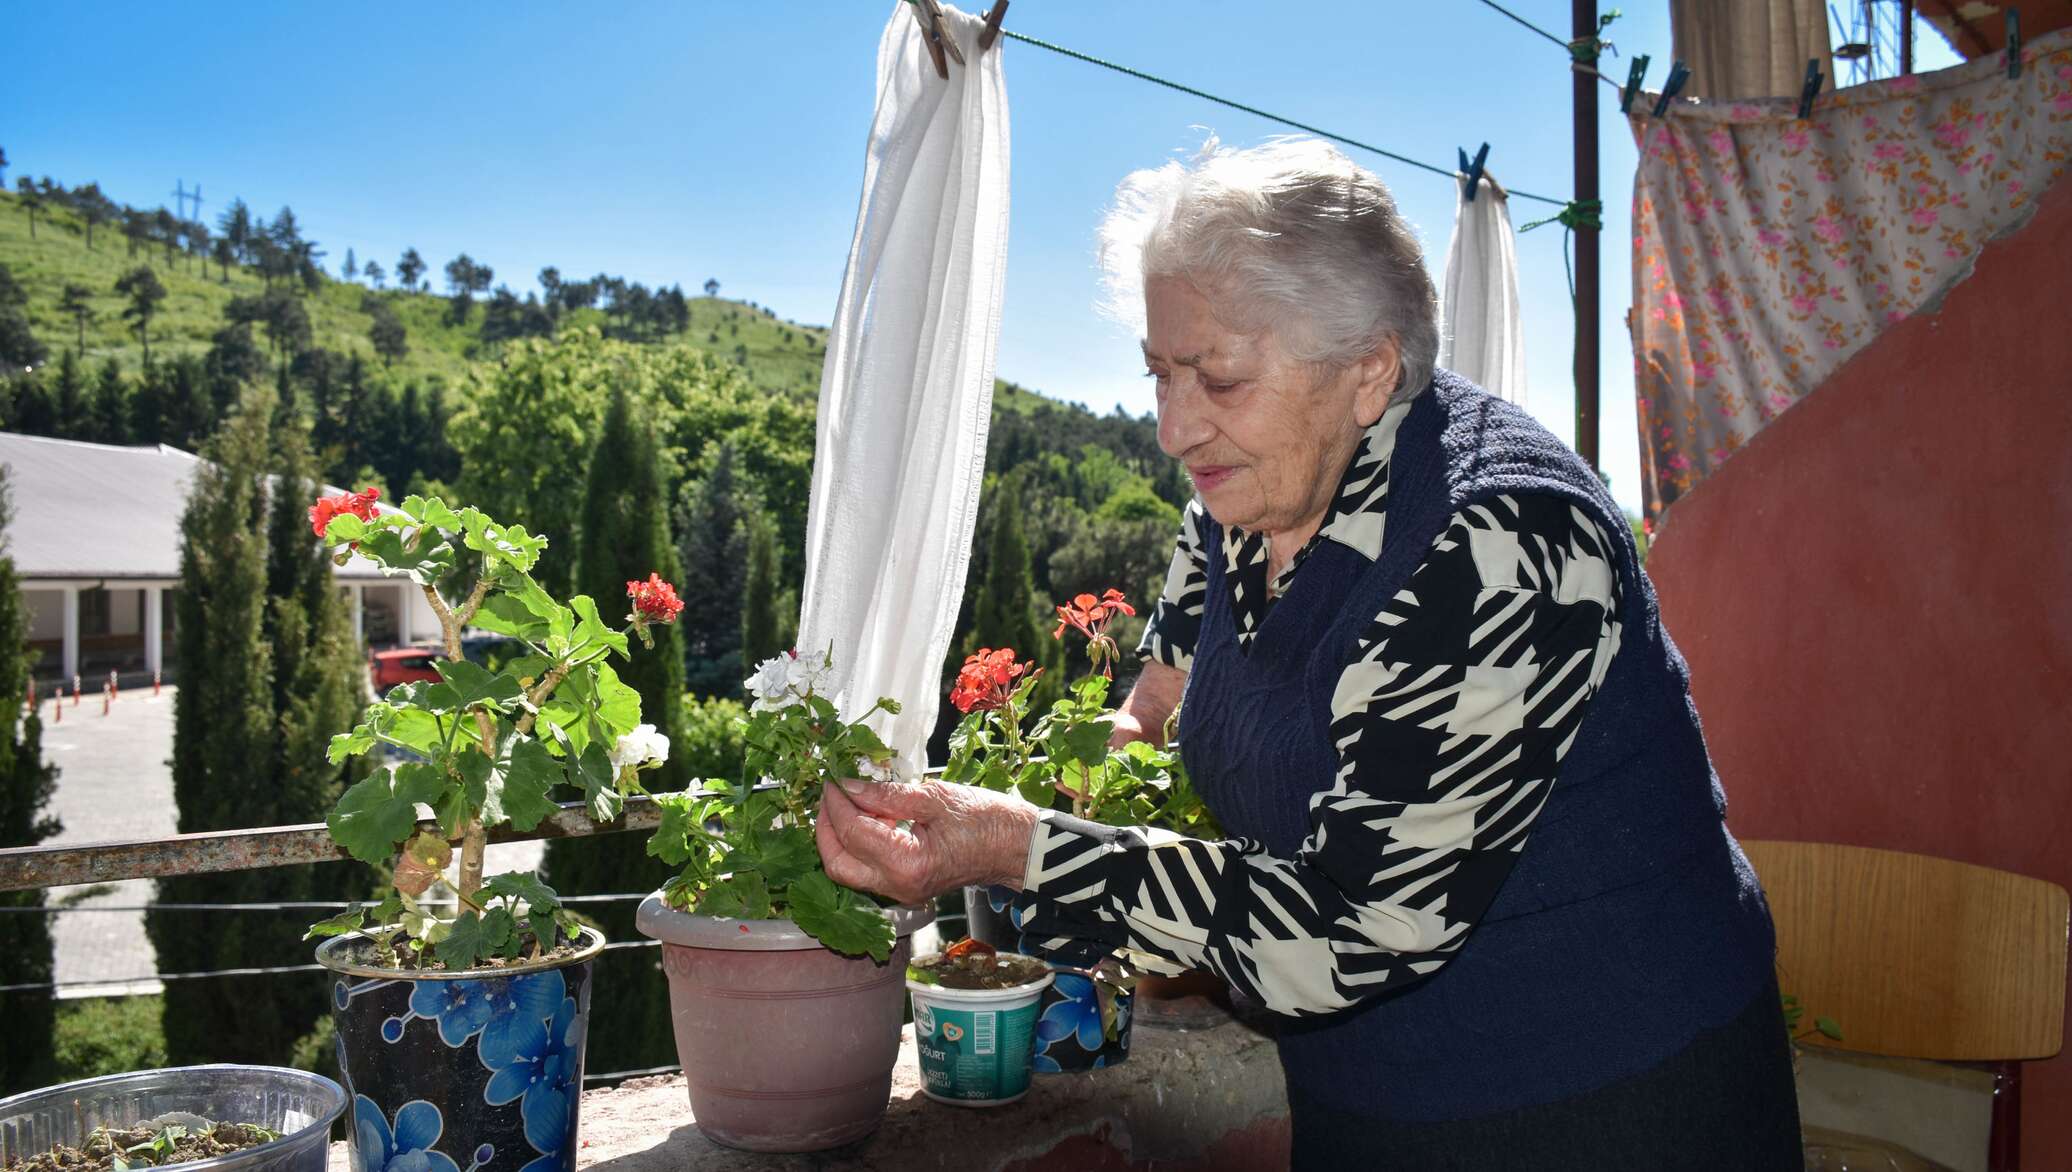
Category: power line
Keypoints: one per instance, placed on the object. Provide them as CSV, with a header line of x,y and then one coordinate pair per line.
x,y
52,986
1256,112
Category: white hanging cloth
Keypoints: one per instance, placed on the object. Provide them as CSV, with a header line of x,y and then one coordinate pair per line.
x,y
1479,335
906,392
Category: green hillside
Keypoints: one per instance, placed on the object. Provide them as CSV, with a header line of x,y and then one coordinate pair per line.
x,y
779,354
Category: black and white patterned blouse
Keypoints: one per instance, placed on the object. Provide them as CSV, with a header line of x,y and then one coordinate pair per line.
x,y
1451,724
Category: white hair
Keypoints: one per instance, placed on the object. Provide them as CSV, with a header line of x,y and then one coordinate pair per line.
x,y
1290,237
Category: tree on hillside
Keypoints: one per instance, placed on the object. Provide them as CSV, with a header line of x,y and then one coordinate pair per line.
x,y
625,537
223,252
3,166
108,411
70,403
1004,614
236,226
142,287
167,228
27,782
266,671
136,231
409,268
712,286
31,201
19,347
375,275
390,339
550,286
94,208
76,302
715,557
769,612
283,315
196,234
352,267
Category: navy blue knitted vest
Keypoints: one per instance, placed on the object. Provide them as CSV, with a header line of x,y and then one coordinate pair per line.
x,y
1631,920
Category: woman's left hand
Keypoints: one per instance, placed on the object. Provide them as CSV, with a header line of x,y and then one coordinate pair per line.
x,y
915,841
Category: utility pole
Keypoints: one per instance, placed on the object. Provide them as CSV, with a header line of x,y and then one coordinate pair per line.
x,y
1585,26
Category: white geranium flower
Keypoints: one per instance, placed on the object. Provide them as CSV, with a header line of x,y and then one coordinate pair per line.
x,y
805,674
639,748
771,683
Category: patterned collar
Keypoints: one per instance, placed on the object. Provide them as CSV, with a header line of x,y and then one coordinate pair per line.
x,y
1355,520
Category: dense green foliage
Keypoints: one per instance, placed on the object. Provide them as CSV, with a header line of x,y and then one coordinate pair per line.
x,y
26,784
107,1035
268,673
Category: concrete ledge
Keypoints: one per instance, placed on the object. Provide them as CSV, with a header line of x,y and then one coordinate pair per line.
x,y
1205,1100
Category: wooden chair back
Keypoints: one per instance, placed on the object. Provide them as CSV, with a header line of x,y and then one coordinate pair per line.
x,y
1918,957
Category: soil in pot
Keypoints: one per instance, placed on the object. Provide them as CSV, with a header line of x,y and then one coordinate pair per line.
x,y
973,964
153,1143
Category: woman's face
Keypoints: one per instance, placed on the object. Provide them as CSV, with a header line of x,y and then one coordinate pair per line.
x,y
1264,437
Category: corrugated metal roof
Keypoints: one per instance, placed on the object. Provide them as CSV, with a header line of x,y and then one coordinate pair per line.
x,y
99,511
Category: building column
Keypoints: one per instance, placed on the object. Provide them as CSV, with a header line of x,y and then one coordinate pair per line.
x,y
69,660
359,613
154,629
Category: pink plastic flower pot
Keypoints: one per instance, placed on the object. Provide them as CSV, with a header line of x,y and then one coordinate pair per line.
x,y
787,1047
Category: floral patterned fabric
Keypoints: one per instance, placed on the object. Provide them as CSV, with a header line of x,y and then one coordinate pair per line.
x,y
1768,250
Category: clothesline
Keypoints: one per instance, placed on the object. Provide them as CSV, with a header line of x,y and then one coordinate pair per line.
x,y
1258,113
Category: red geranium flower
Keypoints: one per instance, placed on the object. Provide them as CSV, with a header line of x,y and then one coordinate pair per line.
x,y
1090,617
654,601
987,679
359,504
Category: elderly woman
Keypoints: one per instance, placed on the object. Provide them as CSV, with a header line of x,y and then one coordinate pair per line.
x,y
1480,864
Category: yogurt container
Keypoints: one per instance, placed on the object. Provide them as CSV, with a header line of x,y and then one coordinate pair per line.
x,y
975,1045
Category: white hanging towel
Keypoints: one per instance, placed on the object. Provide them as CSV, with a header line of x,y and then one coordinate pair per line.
x,y
906,392
1479,335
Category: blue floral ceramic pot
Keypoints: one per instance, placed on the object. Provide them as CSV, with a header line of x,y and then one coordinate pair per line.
x,y
1081,1023
477,1071
986,917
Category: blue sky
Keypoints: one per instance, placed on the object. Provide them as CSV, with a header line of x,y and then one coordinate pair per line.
x,y
678,141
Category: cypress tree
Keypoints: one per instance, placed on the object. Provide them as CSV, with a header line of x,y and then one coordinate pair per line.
x,y
26,783
625,536
759,596
1005,612
715,552
267,675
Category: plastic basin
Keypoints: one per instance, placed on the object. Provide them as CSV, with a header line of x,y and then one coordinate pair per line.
x,y
300,1105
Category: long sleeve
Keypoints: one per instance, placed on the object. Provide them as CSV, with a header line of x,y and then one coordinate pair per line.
x,y
1451,724
1175,623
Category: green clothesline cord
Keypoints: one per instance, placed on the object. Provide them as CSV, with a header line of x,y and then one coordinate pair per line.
x,y
1256,112
1582,50
1576,213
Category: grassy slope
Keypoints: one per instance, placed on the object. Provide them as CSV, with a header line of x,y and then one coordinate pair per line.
x,y
782,355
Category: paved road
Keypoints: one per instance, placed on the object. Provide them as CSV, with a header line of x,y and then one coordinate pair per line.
x,y
114,782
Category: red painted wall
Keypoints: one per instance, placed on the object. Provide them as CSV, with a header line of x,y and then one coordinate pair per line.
x,y
1875,597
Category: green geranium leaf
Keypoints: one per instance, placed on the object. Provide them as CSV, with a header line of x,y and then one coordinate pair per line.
x,y
424,566
591,772
474,684
681,836
743,896
514,786
1828,1027
508,545
618,704
780,854
505,615
525,886
474,937
591,629
380,810
344,527
351,919
432,511
839,918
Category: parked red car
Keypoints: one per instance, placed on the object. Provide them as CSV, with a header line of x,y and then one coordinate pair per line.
x,y
401,665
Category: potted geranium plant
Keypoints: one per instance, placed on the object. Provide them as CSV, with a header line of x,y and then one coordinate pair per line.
x,y
461,1029
1065,763
785,987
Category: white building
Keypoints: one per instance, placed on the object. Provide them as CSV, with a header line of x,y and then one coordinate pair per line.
x,y
96,540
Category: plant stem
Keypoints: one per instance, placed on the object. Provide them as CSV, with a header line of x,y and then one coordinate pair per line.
x,y
473,840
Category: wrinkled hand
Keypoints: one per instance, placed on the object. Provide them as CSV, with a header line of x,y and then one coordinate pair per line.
x,y
953,835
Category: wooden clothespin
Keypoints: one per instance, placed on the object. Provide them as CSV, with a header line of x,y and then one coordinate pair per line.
x,y
1473,169
938,39
1811,88
994,16
1635,74
1679,73
2014,42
